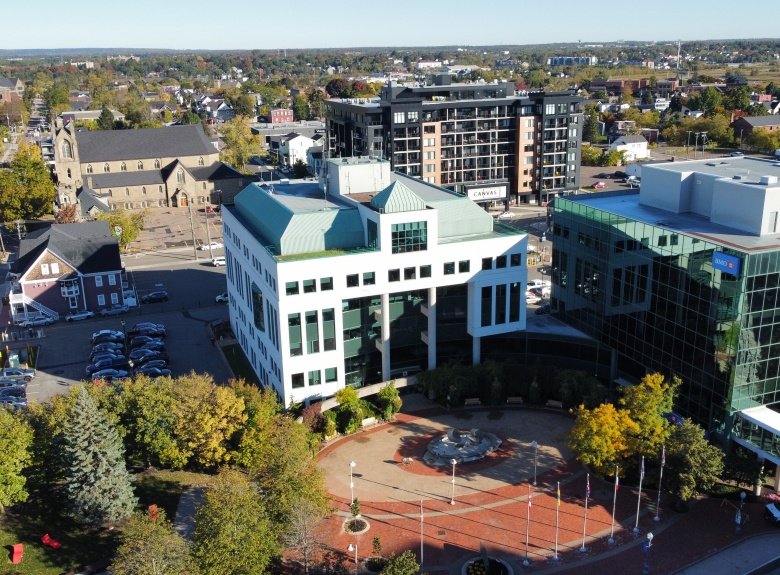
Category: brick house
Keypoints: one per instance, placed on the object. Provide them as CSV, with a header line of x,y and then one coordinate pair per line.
x,y
66,268
11,89
745,126
280,115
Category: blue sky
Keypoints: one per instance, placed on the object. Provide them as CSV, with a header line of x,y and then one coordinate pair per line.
x,y
263,24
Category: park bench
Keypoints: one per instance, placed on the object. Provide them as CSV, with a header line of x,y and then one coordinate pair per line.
x,y
514,400
554,403
472,402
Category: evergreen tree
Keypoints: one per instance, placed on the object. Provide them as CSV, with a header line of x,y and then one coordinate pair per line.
x,y
106,119
590,132
98,488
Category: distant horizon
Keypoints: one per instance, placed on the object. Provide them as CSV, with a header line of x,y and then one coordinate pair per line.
x,y
353,24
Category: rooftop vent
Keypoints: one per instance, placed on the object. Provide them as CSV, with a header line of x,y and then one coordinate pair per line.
x,y
767,180
738,177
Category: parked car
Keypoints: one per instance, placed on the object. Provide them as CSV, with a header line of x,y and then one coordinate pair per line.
x,y
772,513
101,355
538,283
114,310
18,391
212,245
149,355
79,315
108,338
38,321
155,297
140,340
148,331
505,216
152,345
13,402
218,261
147,324
108,346
159,363
109,374
24,372
102,332
736,154
153,372
542,291
599,185
222,298
8,382
115,363
532,298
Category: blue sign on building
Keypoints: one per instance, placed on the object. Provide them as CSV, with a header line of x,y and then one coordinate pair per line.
x,y
726,263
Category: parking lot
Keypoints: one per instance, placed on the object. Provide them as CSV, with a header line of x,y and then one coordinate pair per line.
x,y
65,348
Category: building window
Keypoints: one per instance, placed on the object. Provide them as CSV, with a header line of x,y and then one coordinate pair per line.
x,y
464,266
157,164
314,378
67,150
399,118
449,268
329,329
101,300
291,288
312,332
487,263
200,161
352,280
114,298
294,330
369,279
487,305
549,108
394,275
180,176
412,117
514,260
514,302
106,168
139,166
662,241
309,286
127,191
123,167
297,380
45,269
500,304
409,237
326,284
430,155
425,271
55,268
500,262
112,279
89,168
98,281
410,273
331,374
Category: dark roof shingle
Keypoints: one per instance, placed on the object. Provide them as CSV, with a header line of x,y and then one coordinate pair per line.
x,y
170,142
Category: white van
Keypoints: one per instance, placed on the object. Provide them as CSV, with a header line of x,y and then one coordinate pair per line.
x,y
218,261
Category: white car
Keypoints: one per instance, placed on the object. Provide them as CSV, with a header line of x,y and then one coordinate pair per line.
x,y
539,284
532,298
212,246
218,261
22,372
79,315
221,298
505,216
36,322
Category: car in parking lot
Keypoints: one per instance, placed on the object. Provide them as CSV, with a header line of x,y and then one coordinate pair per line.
x,y
210,246
152,345
100,355
153,372
80,315
155,297
140,340
18,391
599,185
532,298
108,338
157,331
108,346
736,154
538,283
13,402
8,382
159,363
147,355
109,374
25,373
218,261
115,363
222,298
38,321
114,310
541,291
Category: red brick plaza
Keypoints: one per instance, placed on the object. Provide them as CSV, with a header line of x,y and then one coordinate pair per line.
x,y
491,507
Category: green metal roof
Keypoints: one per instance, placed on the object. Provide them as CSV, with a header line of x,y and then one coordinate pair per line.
x,y
299,225
397,198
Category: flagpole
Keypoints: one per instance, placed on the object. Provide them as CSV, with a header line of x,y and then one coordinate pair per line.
x,y
526,562
557,514
584,549
421,536
660,481
639,497
611,539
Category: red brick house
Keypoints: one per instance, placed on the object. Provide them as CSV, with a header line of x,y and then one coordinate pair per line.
x,y
66,268
280,115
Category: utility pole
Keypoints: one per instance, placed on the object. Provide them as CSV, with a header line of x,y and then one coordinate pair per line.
x,y
687,144
192,229
208,232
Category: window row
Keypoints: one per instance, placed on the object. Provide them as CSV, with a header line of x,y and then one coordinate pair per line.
x,y
310,285
139,166
98,279
314,377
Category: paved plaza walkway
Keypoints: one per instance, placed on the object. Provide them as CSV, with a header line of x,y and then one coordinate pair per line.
x,y
491,507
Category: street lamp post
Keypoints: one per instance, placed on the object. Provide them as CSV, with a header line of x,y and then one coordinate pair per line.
x,y
740,519
536,453
351,483
541,245
646,548
453,462
355,549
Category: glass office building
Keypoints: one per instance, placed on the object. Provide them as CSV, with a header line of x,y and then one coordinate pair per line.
x,y
683,278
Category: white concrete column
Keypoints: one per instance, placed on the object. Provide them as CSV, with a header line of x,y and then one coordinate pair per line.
x,y
432,328
385,337
475,350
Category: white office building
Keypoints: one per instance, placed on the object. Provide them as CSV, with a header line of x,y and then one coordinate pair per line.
x,y
365,278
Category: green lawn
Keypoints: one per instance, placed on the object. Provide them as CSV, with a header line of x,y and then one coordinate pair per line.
x,y
240,365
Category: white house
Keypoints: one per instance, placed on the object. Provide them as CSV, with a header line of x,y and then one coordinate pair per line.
x,y
294,146
634,147
366,276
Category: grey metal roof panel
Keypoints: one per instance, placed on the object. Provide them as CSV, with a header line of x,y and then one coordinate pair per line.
x,y
395,198
114,145
761,121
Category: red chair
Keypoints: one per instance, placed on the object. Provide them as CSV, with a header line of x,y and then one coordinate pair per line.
x,y
17,553
49,542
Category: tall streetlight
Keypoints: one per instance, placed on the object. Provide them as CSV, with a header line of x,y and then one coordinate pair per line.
x,y
453,462
354,548
536,453
351,483
646,548
740,519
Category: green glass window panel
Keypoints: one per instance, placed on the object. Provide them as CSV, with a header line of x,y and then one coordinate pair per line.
x,y
291,288
409,237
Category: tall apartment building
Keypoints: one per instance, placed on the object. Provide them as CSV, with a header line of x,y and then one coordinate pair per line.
x,y
683,278
486,141
381,275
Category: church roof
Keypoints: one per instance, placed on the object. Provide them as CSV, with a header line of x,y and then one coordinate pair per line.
x,y
114,145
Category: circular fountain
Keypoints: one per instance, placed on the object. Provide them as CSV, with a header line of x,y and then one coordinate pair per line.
x,y
462,445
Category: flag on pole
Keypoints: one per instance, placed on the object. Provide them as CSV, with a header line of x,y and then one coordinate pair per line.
x,y
642,469
529,502
663,455
587,486
559,494
617,482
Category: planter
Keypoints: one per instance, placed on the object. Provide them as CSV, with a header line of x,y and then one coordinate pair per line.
x,y
356,526
495,567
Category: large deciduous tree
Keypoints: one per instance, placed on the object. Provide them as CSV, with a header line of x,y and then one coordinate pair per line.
x,y
240,143
26,190
694,464
600,437
15,441
98,488
647,403
149,545
129,224
233,535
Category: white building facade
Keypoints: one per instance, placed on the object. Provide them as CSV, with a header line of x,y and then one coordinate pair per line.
x,y
383,275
